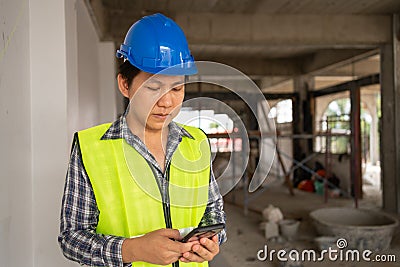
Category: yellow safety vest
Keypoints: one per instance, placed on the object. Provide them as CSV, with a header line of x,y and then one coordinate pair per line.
x,y
126,191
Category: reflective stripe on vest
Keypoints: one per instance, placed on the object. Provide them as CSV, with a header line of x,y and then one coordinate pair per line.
x,y
126,190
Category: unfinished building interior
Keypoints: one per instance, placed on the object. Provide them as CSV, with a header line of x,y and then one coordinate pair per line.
x,y
328,73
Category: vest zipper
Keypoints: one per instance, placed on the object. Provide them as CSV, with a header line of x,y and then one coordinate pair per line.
x,y
165,201
164,197
166,204
167,208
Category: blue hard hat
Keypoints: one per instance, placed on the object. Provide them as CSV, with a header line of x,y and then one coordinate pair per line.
x,y
156,44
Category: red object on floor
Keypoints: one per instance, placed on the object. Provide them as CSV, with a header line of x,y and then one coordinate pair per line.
x,y
306,185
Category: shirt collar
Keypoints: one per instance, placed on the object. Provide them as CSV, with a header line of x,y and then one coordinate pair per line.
x,y
119,129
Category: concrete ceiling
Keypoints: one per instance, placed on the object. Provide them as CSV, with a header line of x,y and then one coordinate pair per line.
x,y
139,8
265,38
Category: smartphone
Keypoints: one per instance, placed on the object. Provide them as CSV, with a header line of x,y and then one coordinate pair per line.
x,y
204,231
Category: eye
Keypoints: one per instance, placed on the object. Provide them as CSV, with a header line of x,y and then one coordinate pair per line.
x,y
153,88
177,88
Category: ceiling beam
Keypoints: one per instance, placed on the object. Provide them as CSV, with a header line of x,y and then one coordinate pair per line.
x,y
330,35
323,61
327,60
335,31
256,67
364,81
224,96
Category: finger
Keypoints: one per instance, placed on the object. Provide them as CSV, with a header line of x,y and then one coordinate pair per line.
x,y
215,239
180,247
210,245
183,259
203,252
194,242
175,255
192,257
170,233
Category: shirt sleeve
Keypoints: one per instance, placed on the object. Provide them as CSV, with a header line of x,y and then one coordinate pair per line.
x,y
79,217
214,212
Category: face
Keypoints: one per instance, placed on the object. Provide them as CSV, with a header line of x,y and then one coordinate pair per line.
x,y
155,99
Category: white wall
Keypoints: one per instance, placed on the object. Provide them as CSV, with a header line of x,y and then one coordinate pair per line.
x,y
88,79
15,138
71,38
47,93
48,125
96,73
107,82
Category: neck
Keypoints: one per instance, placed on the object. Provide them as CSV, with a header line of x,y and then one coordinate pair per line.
x,y
148,136
155,135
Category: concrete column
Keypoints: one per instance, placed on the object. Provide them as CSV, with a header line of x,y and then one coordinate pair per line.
x,y
390,122
108,83
16,243
71,38
302,116
88,68
374,131
374,140
252,122
49,141
355,166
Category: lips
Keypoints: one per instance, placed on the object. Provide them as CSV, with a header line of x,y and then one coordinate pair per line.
x,y
161,115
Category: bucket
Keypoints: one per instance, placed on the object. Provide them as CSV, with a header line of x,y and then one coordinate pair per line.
x,y
289,228
362,229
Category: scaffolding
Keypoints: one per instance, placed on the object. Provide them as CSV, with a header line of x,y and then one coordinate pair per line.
x,y
326,134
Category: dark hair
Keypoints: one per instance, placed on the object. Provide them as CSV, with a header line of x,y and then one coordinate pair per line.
x,y
128,71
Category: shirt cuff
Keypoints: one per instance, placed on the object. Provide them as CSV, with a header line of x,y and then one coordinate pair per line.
x,y
112,252
222,237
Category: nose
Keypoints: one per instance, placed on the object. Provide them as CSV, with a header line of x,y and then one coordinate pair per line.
x,y
165,100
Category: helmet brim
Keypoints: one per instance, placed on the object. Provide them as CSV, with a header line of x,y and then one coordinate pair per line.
x,y
186,68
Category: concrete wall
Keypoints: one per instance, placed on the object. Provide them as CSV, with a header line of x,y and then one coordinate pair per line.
x,y
285,146
47,90
15,142
96,76
109,94
48,126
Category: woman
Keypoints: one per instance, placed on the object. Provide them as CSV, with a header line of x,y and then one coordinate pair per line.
x,y
132,184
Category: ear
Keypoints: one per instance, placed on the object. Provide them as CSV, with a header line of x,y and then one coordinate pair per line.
x,y
123,86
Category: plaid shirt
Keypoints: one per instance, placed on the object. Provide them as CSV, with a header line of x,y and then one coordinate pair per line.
x,y
79,214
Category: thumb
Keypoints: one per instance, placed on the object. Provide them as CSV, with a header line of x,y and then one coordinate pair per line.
x,y
171,233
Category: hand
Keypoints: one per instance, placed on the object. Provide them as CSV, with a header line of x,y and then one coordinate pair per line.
x,y
157,247
205,251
